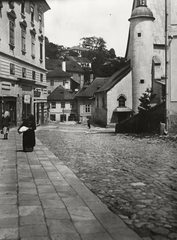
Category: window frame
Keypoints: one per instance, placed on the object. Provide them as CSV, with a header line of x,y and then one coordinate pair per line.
x,y
23,40
87,108
33,41
63,104
53,105
32,13
51,82
41,52
23,7
12,32
23,72
12,68
33,75
121,101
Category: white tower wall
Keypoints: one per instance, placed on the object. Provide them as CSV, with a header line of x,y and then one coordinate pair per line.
x,y
141,35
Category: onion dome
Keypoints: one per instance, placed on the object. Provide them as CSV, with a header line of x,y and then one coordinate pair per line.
x,y
142,11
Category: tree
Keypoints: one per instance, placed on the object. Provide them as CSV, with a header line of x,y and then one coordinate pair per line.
x,y
145,101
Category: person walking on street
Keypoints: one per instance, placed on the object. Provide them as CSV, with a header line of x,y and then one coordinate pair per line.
x,y
88,123
6,121
29,140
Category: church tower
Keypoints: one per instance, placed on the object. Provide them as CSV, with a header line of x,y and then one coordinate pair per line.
x,y
141,50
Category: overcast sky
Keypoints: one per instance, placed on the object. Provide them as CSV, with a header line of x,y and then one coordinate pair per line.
x,y
69,20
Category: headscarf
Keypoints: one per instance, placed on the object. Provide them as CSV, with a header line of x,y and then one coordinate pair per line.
x,y
6,114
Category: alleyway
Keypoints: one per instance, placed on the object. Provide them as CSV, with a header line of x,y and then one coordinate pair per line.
x,y
136,177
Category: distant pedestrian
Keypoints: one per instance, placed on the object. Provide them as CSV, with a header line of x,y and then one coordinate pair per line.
x,y
29,140
6,121
88,123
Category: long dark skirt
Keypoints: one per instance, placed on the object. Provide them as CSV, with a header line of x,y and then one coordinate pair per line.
x,y
29,140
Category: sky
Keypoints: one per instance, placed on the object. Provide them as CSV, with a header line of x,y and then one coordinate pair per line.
x,y
70,20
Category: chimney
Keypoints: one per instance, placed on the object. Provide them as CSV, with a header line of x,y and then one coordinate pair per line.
x,y
64,66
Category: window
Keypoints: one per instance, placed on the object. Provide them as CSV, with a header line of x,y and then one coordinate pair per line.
x,y
33,75
33,45
41,77
139,34
62,104
52,117
32,13
23,39
49,91
87,108
12,69
41,52
142,81
97,102
121,101
12,32
24,72
40,22
23,7
51,82
53,105
71,105
64,83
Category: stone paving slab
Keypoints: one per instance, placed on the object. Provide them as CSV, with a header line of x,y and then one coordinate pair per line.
x,y
42,199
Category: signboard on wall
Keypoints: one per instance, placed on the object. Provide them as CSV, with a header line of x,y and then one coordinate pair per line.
x,y
27,99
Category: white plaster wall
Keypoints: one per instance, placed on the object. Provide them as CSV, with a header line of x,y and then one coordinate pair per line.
x,y
124,87
141,60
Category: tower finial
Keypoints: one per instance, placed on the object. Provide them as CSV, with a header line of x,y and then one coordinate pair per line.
x,y
141,3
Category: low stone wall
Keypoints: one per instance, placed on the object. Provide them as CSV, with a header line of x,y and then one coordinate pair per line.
x,y
148,122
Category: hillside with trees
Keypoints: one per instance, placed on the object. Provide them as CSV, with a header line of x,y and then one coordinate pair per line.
x,y
104,62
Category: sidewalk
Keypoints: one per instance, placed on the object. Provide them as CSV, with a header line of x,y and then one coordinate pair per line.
x,y
42,199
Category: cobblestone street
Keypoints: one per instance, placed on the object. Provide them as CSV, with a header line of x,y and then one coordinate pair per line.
x,y
134,175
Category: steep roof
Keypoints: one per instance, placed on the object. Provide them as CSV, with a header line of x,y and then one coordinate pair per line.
x,y
115,78
92,88
58,73
51,64
71,66
79,59
61,94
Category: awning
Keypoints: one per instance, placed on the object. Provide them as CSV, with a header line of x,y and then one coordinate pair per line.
x,y
123,109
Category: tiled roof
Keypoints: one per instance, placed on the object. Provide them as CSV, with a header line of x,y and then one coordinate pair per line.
x,y
71,66
92,88
78,48
115,78
61,94
79,59
58,73
51,64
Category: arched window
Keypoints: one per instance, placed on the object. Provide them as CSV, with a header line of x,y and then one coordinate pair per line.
x,y
121,101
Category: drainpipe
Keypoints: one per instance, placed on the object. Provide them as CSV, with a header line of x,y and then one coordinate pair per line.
x,y
166,67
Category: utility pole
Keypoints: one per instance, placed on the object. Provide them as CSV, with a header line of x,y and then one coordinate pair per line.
x,y
166,66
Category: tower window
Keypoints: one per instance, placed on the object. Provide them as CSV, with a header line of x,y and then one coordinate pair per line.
x,y
141,80
139,34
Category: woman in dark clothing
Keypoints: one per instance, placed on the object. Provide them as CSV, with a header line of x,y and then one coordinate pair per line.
x,y
29,140
6,121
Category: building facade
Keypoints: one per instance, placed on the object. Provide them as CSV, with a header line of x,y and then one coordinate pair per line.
x,y
23,87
